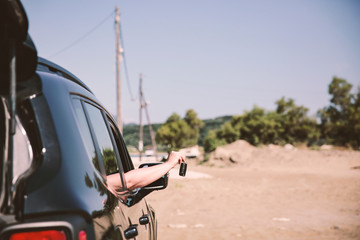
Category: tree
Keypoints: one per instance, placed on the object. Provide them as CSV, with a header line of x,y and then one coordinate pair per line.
x,y
296,126
195,124
212,141
173,118
341,96
255,126
340,121
229,133
178,133
173,133
288,124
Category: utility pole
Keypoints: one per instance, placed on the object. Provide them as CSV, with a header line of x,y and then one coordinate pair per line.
x,y
151,133
119,51
141,143
143,104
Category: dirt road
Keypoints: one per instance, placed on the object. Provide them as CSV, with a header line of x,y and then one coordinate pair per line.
x,y
268,193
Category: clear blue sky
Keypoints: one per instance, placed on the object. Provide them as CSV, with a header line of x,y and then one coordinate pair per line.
x,y
218,57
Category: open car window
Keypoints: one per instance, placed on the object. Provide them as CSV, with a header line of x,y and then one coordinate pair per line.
x,y
100,141
124,154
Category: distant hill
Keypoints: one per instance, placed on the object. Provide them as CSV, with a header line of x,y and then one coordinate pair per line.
x,y
131,131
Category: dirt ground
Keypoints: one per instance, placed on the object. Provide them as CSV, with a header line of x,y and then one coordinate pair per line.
x,y
272,192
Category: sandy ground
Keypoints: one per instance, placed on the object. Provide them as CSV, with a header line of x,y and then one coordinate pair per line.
x,y
271,192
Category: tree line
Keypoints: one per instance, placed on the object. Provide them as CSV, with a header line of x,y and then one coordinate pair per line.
x,y
336,124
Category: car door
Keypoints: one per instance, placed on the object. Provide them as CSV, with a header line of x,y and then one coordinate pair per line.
x,y
142,217
111,156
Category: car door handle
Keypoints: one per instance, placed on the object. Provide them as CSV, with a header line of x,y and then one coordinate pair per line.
x,y
144,219
131,232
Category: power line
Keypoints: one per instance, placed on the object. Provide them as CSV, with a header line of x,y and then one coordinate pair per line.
x,y
83,36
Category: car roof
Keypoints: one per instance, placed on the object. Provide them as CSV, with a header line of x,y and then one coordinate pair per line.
x,y
45,65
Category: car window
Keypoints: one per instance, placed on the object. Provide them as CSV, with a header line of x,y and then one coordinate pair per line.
x,y
124,154
103,138
102,147
85,131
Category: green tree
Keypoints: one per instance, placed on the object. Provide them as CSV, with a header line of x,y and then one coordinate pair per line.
x,y
212,124
195,124
288,124
174,133
254,126
178,133
341,96
212,141
340,121
296,126
229,133
173,118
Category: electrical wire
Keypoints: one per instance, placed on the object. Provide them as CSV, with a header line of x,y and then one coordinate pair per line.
x,y
86,35
83,36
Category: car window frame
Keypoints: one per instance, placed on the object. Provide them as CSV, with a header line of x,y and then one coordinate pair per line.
x,y
106,118
116,149
120,142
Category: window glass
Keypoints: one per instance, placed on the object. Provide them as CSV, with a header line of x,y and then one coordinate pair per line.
x,y
85,131
103,138
124,154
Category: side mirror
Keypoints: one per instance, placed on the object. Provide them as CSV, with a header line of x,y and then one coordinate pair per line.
x,y
159,184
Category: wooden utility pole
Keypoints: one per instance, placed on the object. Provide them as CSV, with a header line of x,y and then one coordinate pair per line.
x,y
119,51
141,142
143,104
151,133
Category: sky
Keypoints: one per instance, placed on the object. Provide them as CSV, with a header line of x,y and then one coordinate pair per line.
x,y
217,57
